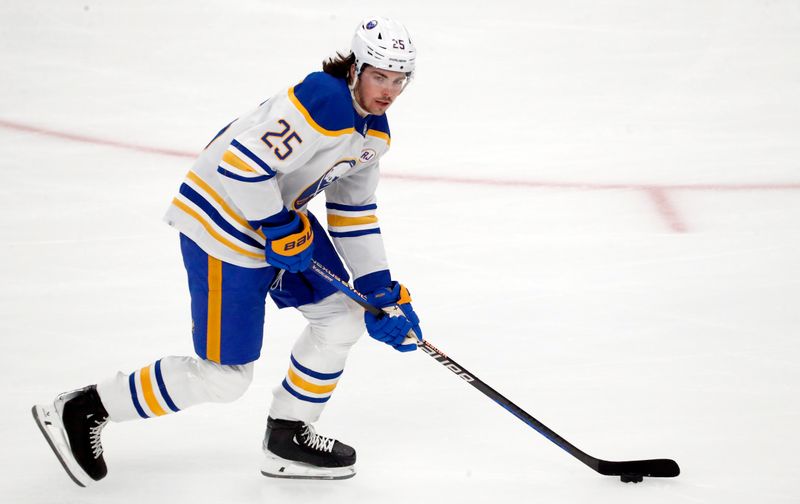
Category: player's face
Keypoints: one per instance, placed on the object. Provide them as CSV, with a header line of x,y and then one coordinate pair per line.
x,y
377,89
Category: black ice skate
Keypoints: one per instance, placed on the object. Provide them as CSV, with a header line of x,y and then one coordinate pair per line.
x,y
72,426
294,450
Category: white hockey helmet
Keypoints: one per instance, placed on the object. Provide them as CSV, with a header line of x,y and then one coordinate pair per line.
x,y
383,43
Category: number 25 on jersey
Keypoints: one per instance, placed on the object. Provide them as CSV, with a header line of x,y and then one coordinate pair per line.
x,y
288,134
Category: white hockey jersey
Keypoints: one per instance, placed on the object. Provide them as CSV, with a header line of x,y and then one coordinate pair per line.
x,y
303,141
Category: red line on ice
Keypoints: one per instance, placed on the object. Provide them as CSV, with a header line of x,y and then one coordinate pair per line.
x,y
93,140
666,209
658,193
592,185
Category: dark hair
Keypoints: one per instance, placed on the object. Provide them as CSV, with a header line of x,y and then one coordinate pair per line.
x,y
339,66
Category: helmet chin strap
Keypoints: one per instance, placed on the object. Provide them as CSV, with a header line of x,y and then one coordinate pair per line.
x,y
361,110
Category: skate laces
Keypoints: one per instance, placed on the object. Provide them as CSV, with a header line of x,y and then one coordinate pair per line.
x,y
94,437
317,441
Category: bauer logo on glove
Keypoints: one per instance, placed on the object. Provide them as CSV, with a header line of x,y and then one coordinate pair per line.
x,y
296,245
290,246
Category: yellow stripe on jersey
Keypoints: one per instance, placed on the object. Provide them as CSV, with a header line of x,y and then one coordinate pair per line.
x,y
310,120
149,393
339,220
228,210
237,162
380,134
183,206
308,386
214,319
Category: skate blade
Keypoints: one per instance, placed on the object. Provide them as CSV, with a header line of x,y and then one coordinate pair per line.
x,y
277,467
49,422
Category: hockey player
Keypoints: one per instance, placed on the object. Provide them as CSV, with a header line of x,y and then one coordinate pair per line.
x,y
245,232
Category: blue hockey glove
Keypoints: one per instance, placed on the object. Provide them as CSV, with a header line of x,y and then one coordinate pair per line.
x,y
393,327
290,246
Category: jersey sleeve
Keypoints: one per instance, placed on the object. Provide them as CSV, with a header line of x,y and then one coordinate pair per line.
x,y
353,225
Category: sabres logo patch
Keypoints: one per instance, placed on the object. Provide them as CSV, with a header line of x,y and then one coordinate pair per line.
x,y
329,177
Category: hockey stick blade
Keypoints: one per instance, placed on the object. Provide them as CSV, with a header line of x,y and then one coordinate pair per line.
x,y
654,468
628,471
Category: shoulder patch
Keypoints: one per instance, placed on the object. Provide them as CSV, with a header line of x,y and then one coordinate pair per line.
x,y
325,103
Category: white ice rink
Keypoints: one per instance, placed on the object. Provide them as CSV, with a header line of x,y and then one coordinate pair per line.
x,y
595,203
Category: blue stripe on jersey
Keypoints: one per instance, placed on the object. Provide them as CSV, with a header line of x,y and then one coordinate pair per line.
x,y
351,208
232,175
257,160
351,234
132,383
315,374
303,397
279,219
163,388
215,216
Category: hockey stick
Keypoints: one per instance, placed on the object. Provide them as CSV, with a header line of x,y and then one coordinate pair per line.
x,y
628,471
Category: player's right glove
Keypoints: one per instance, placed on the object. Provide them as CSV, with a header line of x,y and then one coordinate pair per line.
x,y
290,246
400,317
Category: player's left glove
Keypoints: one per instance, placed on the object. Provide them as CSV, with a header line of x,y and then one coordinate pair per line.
x,y
400,317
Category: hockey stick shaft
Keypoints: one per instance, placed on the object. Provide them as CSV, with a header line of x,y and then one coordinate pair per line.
x,y
456,368
657,468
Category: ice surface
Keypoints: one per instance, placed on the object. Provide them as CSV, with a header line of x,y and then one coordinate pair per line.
x,y
595,204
